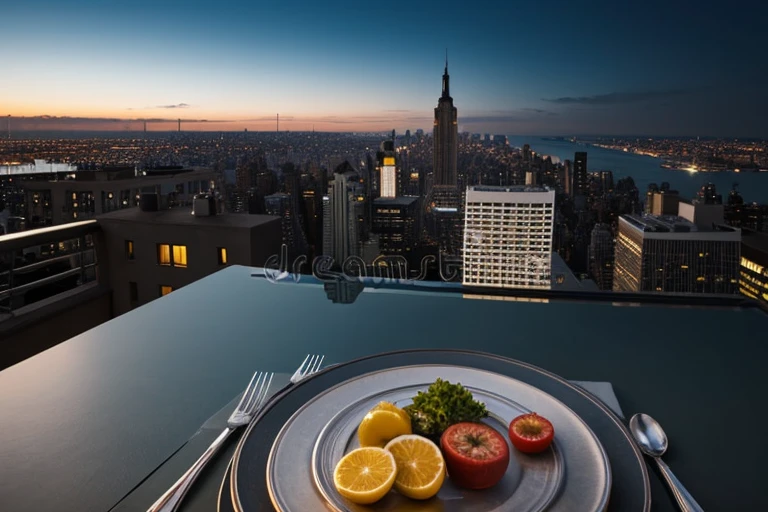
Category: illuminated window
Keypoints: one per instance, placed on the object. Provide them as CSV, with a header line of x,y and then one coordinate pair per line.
x,y
165,290
129,249
172,255
222,255
164,254
179,255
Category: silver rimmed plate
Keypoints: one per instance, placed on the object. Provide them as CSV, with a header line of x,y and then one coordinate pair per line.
x,y
573,475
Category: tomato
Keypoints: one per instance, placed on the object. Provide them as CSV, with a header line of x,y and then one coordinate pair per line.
x,y
531,433
476,455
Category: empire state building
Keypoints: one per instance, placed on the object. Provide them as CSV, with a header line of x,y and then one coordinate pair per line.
x,y
444,208
446,136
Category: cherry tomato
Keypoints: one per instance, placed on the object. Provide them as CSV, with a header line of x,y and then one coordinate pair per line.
x,y
531,433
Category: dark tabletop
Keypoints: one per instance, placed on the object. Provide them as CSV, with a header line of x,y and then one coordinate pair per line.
x,y
84,423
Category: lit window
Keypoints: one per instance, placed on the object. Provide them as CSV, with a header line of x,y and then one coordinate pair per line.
x,y
172,255
179,255
222,255
164,254
129,249
165,290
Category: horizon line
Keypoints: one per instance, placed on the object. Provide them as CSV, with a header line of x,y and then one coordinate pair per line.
x,y
375,132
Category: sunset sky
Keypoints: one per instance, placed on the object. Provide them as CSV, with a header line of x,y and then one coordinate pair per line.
x,y
651,68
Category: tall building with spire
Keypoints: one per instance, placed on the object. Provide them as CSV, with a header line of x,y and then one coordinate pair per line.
x,y
444,206
446,136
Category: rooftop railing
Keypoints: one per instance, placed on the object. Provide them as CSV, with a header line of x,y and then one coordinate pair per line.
x,y
41,263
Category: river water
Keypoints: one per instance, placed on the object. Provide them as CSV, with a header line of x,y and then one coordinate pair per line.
x,y
753,186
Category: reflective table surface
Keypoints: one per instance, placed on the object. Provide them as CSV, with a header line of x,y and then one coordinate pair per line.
x,y
83,424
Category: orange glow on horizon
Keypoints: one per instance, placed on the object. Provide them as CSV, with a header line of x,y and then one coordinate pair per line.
x,y
192,120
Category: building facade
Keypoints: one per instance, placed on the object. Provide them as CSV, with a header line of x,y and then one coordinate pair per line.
x,y
580,181
92,193
508,237
753,274
152,253
342,210
671,254
388,177
601,253
395,221
285,206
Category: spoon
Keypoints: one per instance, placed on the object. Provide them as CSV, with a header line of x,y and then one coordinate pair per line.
x,y
653,442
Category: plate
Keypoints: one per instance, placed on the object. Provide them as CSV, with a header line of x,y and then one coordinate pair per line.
x,y
625,485
532,483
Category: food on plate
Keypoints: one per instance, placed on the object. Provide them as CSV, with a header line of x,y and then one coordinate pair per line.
x,y
442,405
420,466
531,433
389,406
365,475
383,423
477,456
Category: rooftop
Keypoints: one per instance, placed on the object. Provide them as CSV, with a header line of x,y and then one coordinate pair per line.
x,y
513,188
184,217
396,201
670,224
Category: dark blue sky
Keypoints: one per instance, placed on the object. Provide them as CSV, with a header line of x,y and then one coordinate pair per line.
x,y
558,67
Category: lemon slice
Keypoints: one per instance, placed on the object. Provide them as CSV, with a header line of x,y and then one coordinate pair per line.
x,y
380,426
420,466
365,475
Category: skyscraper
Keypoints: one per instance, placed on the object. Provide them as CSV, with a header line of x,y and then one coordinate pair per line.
x,y
444,200
388,177
567,178
340,216
684,253
601,255
446,136
395,221
580,173
508,237
285,206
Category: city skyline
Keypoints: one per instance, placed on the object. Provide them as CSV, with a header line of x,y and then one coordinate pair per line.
x,y
516,69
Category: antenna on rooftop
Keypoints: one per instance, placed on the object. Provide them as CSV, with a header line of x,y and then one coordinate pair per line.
x,y
179,125
278,123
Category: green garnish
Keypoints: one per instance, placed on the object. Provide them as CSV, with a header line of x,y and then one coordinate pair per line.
x,y
441,406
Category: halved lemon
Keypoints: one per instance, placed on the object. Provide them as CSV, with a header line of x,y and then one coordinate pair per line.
x,y
382,424
389,406
365,475
420,466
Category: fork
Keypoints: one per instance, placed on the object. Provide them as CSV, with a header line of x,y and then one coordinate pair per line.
x,y
253,399
309,366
